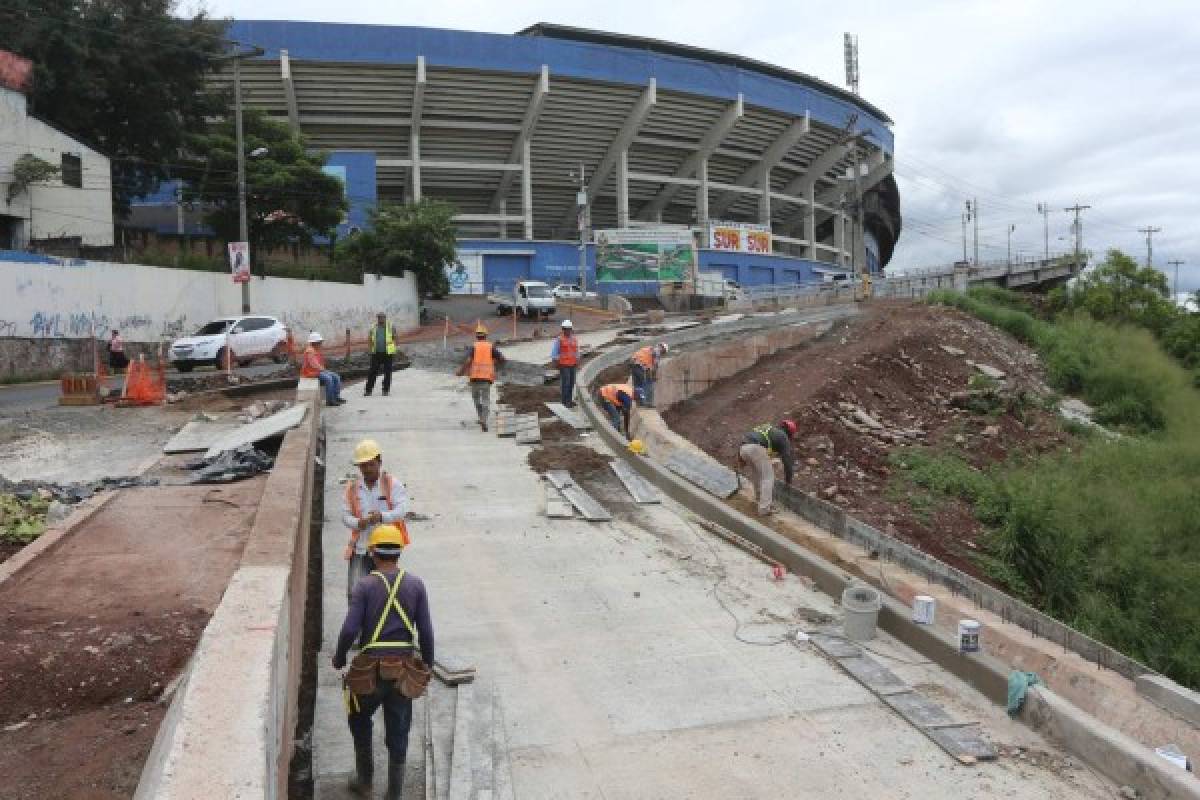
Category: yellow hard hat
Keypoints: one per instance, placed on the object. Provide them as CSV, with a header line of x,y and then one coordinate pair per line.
x,y
366,450
481,330
637,447
387,539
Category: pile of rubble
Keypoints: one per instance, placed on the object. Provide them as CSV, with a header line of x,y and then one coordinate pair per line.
x,y
27,508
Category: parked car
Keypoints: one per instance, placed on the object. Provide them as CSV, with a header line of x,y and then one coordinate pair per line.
x,y
571,291
246,338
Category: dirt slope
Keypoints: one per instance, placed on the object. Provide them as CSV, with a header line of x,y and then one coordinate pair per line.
x,y
888,367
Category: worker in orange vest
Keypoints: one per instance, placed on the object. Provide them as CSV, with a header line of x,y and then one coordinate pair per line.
x,y
480,368
643,368
565,355
374,498
617,401
313,366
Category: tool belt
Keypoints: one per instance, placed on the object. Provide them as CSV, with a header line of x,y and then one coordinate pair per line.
x,y
408,674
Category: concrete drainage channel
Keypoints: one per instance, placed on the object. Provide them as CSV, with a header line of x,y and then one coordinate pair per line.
x,y
1105,749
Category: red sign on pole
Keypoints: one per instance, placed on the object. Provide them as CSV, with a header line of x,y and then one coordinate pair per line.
x,y
239,261
15,71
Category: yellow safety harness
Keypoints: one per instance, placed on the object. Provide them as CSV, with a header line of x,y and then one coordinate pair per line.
x,y
350,699
765,432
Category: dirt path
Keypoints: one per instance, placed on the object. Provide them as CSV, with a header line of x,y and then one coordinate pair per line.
x,y
889,363
93,633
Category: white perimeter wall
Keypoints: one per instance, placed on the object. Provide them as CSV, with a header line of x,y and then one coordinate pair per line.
x,y
149,304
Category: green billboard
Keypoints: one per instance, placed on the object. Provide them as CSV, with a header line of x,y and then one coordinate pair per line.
x,y
645,254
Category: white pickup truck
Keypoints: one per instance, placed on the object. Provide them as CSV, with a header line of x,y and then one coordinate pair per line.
x,y
529,298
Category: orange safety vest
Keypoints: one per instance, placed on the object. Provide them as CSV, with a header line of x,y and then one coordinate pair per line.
x,y
610,391
644,357
356,510
568,351
483,363
313,363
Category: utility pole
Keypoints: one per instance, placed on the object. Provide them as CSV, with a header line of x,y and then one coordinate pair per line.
x,y
973,215
1044,210
1175,287
243,225
581,201
1011,228
860,243
1149,230
1078,226
966,215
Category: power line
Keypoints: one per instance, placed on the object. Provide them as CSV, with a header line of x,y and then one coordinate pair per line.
x,y
1149,230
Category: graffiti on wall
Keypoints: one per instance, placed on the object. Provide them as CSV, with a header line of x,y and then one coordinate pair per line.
x,y
48,324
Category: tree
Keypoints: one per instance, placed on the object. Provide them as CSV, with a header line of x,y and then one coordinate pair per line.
x,y
419,237
125,76
27,171
288,196
1121,291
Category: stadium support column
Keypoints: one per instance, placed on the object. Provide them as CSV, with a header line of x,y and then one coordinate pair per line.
x,y
702,195
527,187
414,136
839,237
810,219
289,90
764,199
623,188
503,231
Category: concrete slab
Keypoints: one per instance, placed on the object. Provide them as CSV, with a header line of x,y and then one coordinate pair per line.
x,y
584,503
617,673
638,487
201,434
705,473
570,416
258,430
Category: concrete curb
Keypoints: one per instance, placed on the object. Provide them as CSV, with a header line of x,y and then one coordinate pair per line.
x,y
52,537
1105,749
229,731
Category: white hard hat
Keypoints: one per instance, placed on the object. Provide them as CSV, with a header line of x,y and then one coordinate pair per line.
x,y
566,323
315,337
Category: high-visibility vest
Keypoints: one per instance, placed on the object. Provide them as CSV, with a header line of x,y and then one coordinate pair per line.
x,y
392,603
389,340
385,482
645,357
765,432
610,391
568,351
313,363
483,363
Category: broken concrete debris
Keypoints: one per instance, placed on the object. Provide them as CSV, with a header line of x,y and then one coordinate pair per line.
x,y
231,465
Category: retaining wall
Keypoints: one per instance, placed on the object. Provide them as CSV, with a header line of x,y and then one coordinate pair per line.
x,y
229,732
1106,749
52,311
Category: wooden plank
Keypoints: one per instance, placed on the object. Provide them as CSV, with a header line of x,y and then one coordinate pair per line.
x,y
703,472
637,486
570,416
583,502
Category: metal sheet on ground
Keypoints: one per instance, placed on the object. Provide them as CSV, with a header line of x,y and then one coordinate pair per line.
x,y
258,430
201,434
528,429
966,743
918,709
638,487
584,503
872,674
505,424
570,416
835,646
708,475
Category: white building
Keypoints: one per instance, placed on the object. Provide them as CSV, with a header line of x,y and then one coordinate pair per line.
x,y
74,204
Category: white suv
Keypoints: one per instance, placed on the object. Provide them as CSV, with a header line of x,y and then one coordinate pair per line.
x,y
246,338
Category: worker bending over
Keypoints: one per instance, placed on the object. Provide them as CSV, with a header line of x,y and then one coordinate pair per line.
x,y
644,369
759,446
313,366
617,401
374,498
480,368
389,618
565,355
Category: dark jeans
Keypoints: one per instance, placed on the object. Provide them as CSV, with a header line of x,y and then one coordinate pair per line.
x,y
643,384
380,362
566,382
614,415
397,718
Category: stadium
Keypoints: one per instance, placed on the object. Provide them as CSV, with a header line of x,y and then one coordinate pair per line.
x,y
668,137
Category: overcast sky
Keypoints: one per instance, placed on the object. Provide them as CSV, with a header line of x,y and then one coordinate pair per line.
x,y
1013,101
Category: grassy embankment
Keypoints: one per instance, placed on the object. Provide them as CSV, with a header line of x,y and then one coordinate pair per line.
x,y
1105,534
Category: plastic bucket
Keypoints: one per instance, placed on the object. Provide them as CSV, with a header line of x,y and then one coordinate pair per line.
x,y
924,609
861,605
968,636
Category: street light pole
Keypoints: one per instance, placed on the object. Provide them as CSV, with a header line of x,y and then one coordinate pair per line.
x,y
1011,228
243,224
581,202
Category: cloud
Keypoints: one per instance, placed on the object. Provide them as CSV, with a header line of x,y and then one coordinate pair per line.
x,y
1013,101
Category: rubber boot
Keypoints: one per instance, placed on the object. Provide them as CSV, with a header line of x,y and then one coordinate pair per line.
x,y
364,770
395,778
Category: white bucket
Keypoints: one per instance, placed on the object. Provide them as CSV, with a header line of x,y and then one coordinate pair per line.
x,y
861,604
968,636
924,609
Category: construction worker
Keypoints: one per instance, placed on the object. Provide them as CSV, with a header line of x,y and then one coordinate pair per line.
x,y
382,341
313,366
643,368
389,618
374,498
565,355
480,369
117,360
617,401
758,447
